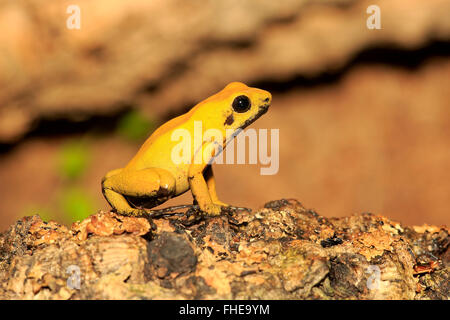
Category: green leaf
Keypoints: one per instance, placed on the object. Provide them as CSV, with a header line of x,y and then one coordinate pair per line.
x,y
76,204
46,214
135,126
73,159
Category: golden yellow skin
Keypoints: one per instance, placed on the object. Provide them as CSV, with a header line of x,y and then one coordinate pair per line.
x,y
151,177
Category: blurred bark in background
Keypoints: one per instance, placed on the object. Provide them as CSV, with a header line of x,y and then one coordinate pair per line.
x,y
363,114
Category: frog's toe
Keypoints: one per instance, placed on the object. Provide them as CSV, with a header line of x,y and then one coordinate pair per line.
x,y
132,213
231,210
212,209
222,204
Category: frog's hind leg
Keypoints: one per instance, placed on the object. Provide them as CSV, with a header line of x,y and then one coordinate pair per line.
x,y
145,183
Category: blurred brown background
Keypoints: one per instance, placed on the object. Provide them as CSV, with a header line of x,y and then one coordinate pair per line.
x,y
364,115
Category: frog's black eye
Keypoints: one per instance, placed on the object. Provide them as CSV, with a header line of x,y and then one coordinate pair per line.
x,y
241,104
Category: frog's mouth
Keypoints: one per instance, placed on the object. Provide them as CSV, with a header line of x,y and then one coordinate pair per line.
x,y
262,109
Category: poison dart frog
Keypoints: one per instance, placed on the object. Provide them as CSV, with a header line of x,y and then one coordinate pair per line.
x,y
152,176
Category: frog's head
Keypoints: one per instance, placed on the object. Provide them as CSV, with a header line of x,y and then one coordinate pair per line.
x,y
237,106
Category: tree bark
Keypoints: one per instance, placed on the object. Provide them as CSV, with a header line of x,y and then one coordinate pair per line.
x,y
282,251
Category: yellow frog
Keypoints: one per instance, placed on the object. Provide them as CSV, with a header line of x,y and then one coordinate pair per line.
x,y
152,176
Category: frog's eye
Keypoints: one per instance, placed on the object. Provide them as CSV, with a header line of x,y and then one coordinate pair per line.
x,y
241,104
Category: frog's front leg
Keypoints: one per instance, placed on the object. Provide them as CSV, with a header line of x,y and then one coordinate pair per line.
x,y
211,183
198,186
145,183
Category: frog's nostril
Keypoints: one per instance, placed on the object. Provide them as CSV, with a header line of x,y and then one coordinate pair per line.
x,y
266,99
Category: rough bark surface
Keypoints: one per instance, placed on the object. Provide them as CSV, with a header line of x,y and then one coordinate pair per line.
x,y
282,251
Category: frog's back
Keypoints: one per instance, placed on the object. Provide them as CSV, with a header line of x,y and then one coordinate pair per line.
x,y
156,150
